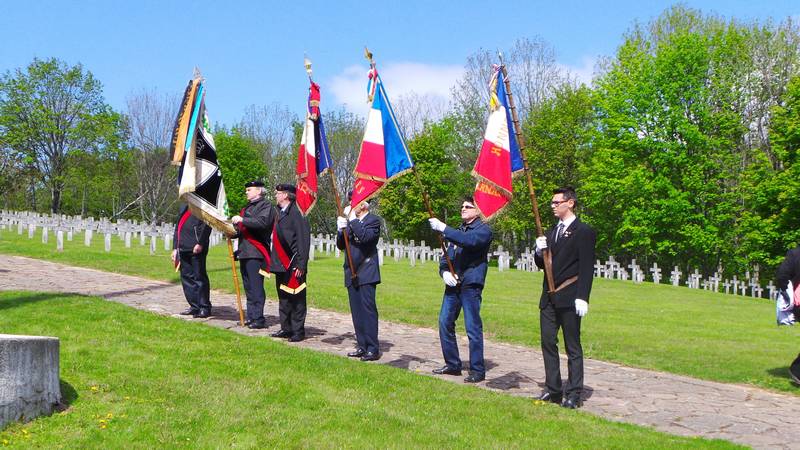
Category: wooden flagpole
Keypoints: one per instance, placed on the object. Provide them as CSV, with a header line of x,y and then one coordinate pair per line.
x,y
337,198
548,260
425,197
236,282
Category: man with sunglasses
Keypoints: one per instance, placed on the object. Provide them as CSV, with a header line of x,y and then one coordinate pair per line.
x,y
571,245
467,249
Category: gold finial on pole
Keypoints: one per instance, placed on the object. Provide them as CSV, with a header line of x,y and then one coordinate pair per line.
x,y
368,55
307,63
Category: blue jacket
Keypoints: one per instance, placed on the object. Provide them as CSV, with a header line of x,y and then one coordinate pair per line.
x,y
363,236
468,248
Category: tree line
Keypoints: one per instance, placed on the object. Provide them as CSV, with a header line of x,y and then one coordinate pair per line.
x,y
682,149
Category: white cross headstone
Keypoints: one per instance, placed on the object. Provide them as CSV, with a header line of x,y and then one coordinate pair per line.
x,y
598,269
107,241
772,289
675,277
60,240
656,273
44,235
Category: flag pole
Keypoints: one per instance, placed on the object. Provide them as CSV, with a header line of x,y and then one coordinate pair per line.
x,y
236,282
337,198
548,260
368,55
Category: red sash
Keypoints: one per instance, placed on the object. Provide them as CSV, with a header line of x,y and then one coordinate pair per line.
x,y
183,220
293,286
255,243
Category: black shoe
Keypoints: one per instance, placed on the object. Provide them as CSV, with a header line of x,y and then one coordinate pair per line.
x,y
297,337
447,370
371,356
202,313
572,403
546,396
189,312
357,354
257,325
281,334
474,377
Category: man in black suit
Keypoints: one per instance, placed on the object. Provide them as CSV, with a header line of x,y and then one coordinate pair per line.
x,y
254,224
190,249
571,245
363,231
467,249
291,240
789,270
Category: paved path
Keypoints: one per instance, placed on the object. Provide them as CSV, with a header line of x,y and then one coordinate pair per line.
x,y
670,403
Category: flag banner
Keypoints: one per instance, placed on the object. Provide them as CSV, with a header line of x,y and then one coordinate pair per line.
x,y
199,178
181,129
383,154
313,157
500,158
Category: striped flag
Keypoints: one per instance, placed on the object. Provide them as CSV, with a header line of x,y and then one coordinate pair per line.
x,y
199,178
384,154
313,157
499,159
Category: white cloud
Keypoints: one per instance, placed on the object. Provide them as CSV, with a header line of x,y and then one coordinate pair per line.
x,y
350,86
583,72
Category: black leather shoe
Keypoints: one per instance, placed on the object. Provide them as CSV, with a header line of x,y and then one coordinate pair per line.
x,y
474,377
572,403
297,337
371,356
257,325
546,396
189,312
447,370
281,334
202,313
357,354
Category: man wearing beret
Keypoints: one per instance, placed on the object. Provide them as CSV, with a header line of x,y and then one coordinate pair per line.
x,y
363,231
564,305
254,224
291,240
190,248
467,249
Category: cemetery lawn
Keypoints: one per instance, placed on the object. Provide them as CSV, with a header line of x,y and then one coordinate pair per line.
x,y
133,379
698,333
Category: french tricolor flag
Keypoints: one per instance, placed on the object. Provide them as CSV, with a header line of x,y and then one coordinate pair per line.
x,y
313,157
499,158
384,154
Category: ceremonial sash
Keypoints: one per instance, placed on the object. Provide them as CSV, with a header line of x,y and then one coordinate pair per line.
x,y
293,286
258,245
183,220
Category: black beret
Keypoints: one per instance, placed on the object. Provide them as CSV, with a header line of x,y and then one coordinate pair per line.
x,y
286,187
349,195
254,183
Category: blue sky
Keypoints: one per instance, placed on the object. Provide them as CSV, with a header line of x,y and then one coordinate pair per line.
x,y
251,52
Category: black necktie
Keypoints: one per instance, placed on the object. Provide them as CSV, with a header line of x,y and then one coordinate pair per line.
x,y
559,231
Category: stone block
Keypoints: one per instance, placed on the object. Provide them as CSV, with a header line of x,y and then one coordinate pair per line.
x,y
29,383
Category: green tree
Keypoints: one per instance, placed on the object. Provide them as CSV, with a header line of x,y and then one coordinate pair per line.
x,y
240,162
51,109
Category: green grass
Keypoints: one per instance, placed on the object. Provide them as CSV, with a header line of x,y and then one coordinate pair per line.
x,y
133,379
691,332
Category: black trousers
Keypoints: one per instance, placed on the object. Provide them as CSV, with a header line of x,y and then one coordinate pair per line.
x,y
365,316
194,279
551,319
291,307
254,289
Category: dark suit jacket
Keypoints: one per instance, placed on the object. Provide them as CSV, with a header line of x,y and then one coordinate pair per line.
x,y
363,235
258,217
295,237
789,270
194,231
468,247
573,254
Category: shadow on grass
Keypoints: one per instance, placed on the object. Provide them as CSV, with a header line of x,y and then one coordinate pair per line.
x,y
780,372
23,298
134,291
68,396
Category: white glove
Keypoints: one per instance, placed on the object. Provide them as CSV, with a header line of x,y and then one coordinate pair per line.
x,y
341,223
541,243
449,279
436,225
581,307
